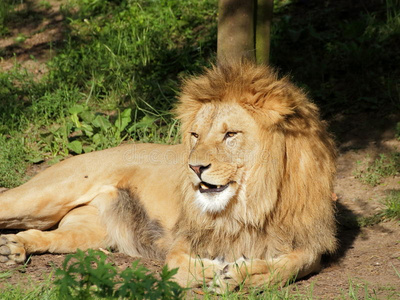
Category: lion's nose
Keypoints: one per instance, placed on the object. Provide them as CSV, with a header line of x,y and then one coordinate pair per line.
x,y
199,169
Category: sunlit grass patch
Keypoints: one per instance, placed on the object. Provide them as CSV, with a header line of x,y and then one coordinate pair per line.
x,y
384,166
122,63
391,211
392,203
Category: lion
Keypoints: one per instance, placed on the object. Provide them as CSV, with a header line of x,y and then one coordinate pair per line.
x,y
245,199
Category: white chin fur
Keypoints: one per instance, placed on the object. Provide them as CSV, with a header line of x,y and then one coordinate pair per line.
x,y
214,202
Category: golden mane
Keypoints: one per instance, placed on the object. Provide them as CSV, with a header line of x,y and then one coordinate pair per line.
x,y
289,194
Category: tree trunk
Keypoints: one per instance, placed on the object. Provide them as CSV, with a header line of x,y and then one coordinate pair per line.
x,y
263,30
236,30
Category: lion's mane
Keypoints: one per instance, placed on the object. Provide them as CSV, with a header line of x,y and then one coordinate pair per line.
x,y
288,202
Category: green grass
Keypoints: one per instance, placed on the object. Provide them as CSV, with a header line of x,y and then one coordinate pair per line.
x,y
122,63
391,211
382,167
361,290
29,291
12,167
5,8
392,203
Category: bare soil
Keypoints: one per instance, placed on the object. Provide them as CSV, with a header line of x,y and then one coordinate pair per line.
x,y
34,32
368,256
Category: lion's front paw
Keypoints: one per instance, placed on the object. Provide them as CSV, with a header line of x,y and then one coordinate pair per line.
x,y
229,278
11,250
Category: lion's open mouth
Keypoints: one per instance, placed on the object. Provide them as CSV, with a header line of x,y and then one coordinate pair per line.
x,y
205,187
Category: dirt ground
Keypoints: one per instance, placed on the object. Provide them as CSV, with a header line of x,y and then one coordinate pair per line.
x,y
369,255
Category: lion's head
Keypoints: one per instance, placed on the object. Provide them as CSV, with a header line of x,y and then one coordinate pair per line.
x,y
255,144
222,137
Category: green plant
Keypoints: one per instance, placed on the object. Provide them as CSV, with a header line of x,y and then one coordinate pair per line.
x,y
20,38
391,211
86,275
44,4
392,10
139,55
34,290
362,290
359,291
117,56
5,275
365,221
392,203
86,131
12,150
6,7
383,166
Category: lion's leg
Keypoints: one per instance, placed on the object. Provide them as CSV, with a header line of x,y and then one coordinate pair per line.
x,y
35,205
258,273
80,228
193,271
28,207
44,200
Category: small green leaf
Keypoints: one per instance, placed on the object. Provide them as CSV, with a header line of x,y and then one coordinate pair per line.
x,y
145,122
54,160
123,119
75,120
87,116
97,139
75,146
76,109
102,123
87,129
48,139
88,149
36,159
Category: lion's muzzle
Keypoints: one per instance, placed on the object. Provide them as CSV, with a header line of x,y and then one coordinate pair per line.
x,y
205,187
199,169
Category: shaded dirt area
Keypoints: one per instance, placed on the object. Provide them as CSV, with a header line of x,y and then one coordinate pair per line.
x,y
370,255
35,28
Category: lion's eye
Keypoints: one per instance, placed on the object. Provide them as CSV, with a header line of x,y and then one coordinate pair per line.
x,y
230,134
195,135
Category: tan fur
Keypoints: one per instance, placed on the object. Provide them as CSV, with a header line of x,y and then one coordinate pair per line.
x,y
253,134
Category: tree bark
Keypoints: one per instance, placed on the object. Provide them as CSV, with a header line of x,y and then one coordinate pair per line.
x,y
236,37
263,30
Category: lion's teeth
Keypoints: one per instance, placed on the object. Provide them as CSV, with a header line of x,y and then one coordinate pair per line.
x,y
203,186
218,186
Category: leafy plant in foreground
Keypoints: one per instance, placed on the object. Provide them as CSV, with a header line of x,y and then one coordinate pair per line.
x,y
86,275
